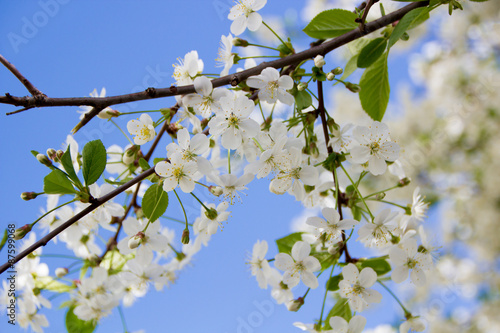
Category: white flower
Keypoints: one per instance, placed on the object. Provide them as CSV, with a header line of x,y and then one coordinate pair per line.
x,y
340,325
332,227
226,57
418,210
152,240
319,61
232,185
104,114
233,124
206,101
271,86
187,69
189,148
406,257
259,265
299,265
143,129
177,172
355,287
374,147
305,327
341,141
29,316
211,223
413,324
378,233
244,14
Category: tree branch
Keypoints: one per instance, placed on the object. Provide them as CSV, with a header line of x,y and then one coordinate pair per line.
x,y
44,240
233,79
31,88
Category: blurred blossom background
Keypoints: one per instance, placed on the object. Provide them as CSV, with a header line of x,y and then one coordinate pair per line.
x,y
444,112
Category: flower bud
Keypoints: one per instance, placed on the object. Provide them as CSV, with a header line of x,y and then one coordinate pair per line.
x,y
215,190
60,154
380,196
28,195
108,113
302,86
21,232
61,271
337,71
353,87
52,154
130,155
403,182
295,304
330,76
240,42
319,61
44,160
136,240
185,236
211,214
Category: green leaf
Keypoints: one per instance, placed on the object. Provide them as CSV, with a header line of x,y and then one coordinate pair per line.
x,y
333,283
4,239
379,265
374,83
48,283
409,21
76,325
157,159
302,100
154,202
350,67
67,164
324,258
57,182
371,52
119,182
331,23
114,261
144,164
341,309
34,153
93,161
285,244
356,213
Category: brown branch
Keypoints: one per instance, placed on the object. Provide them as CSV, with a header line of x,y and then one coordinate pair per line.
x,y
31,88
20,110
362,21
233,79
98,202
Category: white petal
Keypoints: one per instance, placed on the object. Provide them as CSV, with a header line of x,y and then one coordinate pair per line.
x,y
376,165
300,250
309,279
312,264
254,21
399,274
239,25
338,324
350,273
367,277
357,324
203,85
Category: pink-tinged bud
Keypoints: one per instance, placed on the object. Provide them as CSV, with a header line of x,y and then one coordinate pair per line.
x,y
44,160
240,42
136,240
319,61
61,271
21,232
215,190
60,154
403,182
52,154
355,88
28,195
295,304
185,236
108,113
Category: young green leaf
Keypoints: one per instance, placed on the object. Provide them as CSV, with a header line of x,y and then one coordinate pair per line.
x,y
379,265
154,202
350,67
93,161
371,52
374,83
57,182
409,21
4,239
285,244
333,283
67,164
341,309
75,324
144,164
49,283
302,100
331,23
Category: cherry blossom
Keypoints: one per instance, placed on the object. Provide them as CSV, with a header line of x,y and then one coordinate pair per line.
x,y
244,14
272,87
143,129
300,265
355,287
406,257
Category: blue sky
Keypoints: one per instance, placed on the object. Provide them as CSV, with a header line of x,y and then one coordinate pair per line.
x,y
68,48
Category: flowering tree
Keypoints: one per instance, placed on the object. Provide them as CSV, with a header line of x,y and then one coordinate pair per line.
x,y
270,120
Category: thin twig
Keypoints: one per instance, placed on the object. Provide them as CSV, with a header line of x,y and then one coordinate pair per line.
x,y
31,88
20,110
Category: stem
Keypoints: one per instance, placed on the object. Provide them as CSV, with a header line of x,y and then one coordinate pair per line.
x,y
183,210
357,191
263,46
253,57
111,120
324,300
389,203
175,220
382,191
59,256
395,297
123,319
229,161
133,112
281,40
262,112
50,211
206,208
